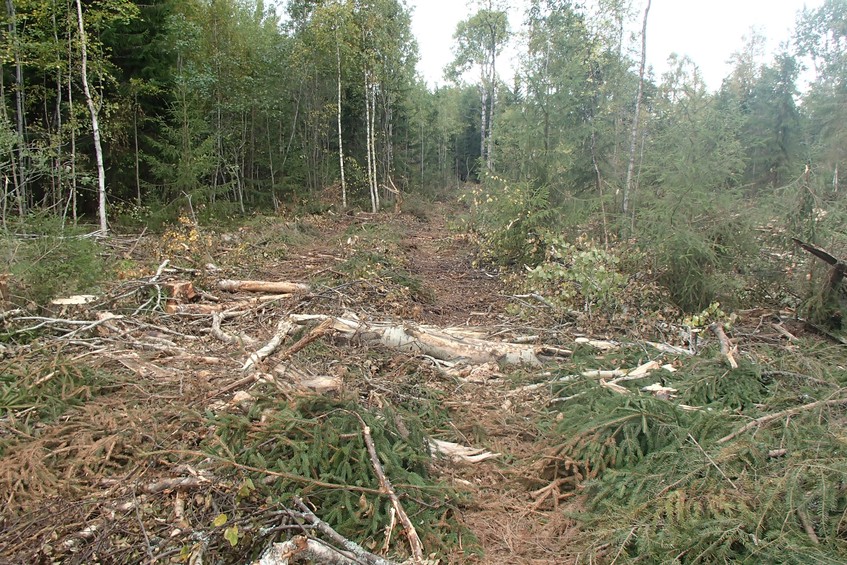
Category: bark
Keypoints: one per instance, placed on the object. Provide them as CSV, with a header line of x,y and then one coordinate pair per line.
x,y
340,140
95,124
630,169
20,177
368,133
262,286
444,344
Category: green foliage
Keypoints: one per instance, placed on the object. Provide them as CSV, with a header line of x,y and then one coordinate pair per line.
x,y
706,260
317,449
579,276
511,216
53,262
662,486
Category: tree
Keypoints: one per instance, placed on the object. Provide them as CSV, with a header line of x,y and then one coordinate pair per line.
x,y
630,169
479,41
95,123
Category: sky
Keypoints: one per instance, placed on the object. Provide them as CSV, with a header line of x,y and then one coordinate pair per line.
x,y
708,31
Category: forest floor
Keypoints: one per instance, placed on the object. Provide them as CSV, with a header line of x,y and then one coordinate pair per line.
x,y
111,406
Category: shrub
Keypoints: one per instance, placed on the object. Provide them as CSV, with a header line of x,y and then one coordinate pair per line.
x,y
578,276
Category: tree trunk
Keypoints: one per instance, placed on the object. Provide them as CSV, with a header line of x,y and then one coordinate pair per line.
x,y
72,118
483,127
95,124
136,154
340,141
59,165
20,177
370,145
373,146
630,169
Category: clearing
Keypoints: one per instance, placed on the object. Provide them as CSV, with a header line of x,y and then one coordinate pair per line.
x,y
134,435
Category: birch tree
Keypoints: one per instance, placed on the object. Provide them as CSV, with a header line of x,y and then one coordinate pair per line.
x,y
479,41
94,111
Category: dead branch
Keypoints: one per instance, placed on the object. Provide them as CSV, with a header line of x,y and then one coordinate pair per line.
x,y
726,347
362,555
790,412
281,287
240,340
205,309
322,329
385,486
283,330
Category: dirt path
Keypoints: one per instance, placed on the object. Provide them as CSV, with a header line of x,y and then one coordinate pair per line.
x,y
463,294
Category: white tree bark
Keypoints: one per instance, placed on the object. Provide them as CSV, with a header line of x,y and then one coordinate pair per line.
x,y
340,141
630,169
371,167
95,124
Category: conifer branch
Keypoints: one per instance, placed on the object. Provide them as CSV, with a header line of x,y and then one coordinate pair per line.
x,y
790,412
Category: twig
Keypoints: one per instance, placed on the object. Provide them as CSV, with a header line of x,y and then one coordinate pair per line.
x,y
712,461
322,329
240,340
128,254
304,548
385,486
790,412
807,526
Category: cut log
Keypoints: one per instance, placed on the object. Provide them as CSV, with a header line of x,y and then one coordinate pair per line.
x,y
449,345
280,287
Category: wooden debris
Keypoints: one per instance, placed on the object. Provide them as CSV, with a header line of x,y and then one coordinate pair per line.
x,y
76,300
790,412
726,348
301,548
429,340
602,345
283,330
460,453
205,309
415,545
282,287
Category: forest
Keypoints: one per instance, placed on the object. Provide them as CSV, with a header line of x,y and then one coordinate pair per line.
x,y
266,296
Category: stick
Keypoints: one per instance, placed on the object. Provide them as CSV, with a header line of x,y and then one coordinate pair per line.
x,y
240,340
283,330
385,486
358,551
726,348
262,286
790,412
302,547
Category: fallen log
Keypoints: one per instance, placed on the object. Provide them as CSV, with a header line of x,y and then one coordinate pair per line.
x,y
280,287
446,344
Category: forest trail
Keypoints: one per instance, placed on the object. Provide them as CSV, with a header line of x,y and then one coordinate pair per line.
x,y
135,390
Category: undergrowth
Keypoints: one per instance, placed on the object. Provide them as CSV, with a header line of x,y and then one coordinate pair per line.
x,y
669,484
315,449
52,260
34,392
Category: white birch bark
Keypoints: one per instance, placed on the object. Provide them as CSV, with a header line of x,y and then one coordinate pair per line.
x,y
95,124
